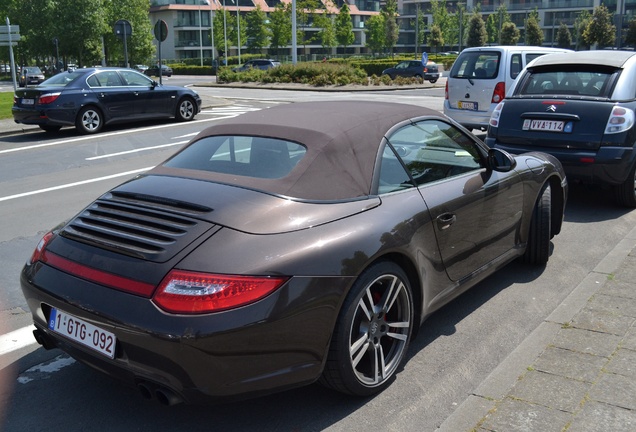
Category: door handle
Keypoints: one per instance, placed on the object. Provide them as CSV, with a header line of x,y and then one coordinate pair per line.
x,y
445,220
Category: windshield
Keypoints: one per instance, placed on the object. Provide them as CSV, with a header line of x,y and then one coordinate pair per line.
x,y
62,79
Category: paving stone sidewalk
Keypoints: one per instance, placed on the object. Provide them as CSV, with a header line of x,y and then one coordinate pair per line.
x,y
577,372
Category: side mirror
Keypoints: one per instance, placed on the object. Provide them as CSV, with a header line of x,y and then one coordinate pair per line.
x,y
154,84
501,161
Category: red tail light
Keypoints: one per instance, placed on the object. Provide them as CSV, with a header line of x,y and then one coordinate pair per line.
x,y
193,293
499,93
48,98
38,253
446,91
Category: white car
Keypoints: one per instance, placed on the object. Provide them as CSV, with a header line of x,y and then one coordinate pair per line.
x,y
480,78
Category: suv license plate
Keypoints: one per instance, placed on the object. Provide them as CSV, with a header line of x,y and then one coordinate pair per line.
x,y
82,332
467,105
543,125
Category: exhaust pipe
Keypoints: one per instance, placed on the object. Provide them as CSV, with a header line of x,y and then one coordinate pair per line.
x,y
42,339
145,390
167,397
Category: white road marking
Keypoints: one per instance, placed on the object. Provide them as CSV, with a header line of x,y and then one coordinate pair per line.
x,y
69,185
136,150
17,339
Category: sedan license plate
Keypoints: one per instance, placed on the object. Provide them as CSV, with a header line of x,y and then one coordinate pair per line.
x,y
82,332
467,105
543,125
28,101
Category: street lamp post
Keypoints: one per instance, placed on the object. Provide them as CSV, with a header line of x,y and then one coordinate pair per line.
x,y
238,30
211,29
200,35
224,34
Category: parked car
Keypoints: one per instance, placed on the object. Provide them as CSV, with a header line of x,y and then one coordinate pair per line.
x,y
262,64
141,68
272,251
30,75
578,107
480,78
154,71
89,98
415,69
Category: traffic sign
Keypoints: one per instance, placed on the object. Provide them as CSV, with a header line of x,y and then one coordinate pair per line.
x,y
5,37
5,29
123,28
161,30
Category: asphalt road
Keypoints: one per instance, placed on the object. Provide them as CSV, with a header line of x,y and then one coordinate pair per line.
x,y
45,179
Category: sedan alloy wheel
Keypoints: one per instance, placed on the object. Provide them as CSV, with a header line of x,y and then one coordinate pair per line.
x,y
89,121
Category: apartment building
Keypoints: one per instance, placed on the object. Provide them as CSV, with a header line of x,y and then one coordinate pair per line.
x,y
189,21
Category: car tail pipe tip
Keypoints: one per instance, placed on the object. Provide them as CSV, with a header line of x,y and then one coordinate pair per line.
x,y
163,395
167,397
42,339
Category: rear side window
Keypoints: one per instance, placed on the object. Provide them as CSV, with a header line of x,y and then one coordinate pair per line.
x,y
476,64
567,82
246,156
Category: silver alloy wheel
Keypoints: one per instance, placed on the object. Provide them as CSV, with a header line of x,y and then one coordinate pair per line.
x,y
91,120
380,330
186,110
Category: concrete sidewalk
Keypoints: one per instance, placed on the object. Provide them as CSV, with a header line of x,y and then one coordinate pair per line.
x,y
577,371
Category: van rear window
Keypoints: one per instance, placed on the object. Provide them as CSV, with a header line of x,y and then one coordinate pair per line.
x,y
477,65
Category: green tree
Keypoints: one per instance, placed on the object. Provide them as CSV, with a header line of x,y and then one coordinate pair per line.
x,y
80,26
305,12
420,25
533,33
139,44
600,29
36,27
564,37
444,21
510,34
580,23
344,27
327,32
630,37
476,32
376,34
257,31
220,31
391,29
436,38
495,23
280,26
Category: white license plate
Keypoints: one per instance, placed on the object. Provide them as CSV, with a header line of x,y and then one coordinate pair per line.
x,y
83,332
467,105
543,125
28,101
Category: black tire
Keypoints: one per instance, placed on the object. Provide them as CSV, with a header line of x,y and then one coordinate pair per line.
x,y
186,109
50,129
89,120
433,81
372,333
538,248
626,192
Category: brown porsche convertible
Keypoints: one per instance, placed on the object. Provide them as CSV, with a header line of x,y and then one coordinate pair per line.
x,y
301,243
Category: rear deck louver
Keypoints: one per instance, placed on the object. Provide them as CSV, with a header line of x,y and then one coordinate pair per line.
x,y
137,225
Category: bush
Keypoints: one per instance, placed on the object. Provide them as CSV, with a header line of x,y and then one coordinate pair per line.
x,y
316,74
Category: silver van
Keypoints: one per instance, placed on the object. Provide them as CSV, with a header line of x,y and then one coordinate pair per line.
x,y
480,78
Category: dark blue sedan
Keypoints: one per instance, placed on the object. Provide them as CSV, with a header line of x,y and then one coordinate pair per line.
x,y
90,98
